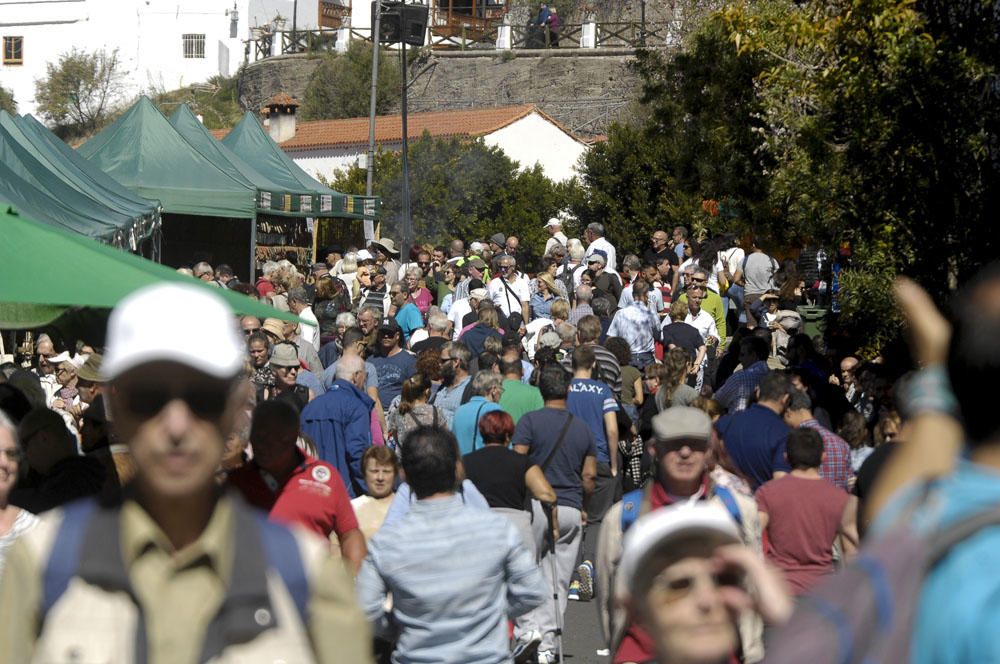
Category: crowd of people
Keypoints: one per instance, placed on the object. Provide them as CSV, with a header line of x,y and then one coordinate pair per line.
x,y
450,448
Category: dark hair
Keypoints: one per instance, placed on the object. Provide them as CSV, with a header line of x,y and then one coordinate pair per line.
x,y
799,401
351,335
774,386
14,403
804,448
277,414
487,360
620,349
974,355
511,367
553,382
496,427
429,363
259,335
854,429
584,358
756,347
245,288
430,455
415,387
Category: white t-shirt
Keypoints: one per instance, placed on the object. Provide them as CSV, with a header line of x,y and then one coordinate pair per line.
x,y
458,311
309,330
704,323
504,299
608,248
558,238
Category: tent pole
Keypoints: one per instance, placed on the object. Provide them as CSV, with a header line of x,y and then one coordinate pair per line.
x,y
253,250
369,181
407,229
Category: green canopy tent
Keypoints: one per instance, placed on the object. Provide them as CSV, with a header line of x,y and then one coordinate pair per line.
x,y
61,298
32,181
249,140
85,176
208,213
272,198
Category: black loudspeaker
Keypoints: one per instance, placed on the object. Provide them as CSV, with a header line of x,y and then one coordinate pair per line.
x,y
401,23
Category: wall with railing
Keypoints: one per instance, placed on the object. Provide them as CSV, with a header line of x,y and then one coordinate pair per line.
x,y
474,34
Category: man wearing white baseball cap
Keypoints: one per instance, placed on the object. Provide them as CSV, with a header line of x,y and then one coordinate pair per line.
x,y
554,227
175,570
685,576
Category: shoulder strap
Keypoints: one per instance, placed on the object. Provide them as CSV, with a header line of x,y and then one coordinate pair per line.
x,y
66,550
282,552
727,498
475,424
631,503
559,440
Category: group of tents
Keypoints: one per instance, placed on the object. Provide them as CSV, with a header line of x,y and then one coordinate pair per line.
x,y
146,184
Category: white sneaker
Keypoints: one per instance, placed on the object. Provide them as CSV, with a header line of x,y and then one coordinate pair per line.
x,y
526,647
546,657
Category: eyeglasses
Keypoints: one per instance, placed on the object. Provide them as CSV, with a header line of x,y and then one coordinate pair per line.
x,y
288,369
205,402
423,263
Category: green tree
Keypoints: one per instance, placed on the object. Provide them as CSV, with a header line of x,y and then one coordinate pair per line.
x,y
341,85
80,90
216,100
7,102
461,189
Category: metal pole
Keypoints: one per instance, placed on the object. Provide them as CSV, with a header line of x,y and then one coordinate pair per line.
x,y
295,34
407,230
369,182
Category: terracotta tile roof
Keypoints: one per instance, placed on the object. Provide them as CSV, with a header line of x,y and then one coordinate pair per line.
x,y
220,133
388,128
282,99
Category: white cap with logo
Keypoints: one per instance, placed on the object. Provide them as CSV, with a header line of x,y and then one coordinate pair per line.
x,y
174,322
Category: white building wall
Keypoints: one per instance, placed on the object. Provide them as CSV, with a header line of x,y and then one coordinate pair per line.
x,y
325,162
533,139
147,33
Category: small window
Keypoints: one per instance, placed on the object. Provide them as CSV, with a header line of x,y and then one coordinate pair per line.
x,y
13,50
194,46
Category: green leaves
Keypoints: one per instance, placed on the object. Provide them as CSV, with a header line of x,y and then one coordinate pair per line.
x,y
80,90
341,85
7,102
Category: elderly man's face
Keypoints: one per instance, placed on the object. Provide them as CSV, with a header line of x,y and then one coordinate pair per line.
x,y
45,350
249,323
595,266
677,237
512,245
847,367
176,420
682,460
65,373
439,257
685,609
366,321
659,240
378,280
397,296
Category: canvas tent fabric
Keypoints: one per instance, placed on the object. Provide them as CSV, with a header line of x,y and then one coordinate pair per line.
x,y
27,178
143,152
61,161
111,275
249,140
272,198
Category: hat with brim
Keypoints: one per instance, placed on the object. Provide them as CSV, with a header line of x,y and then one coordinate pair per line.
x,y
477,263
91,369
274,326
669,534
598,256
682,422
285,355
478,294
365,255
553,222
387,245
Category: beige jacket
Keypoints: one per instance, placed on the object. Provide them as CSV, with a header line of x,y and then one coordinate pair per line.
x,y
614,619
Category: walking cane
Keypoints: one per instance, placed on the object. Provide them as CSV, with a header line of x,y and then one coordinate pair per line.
x,y
549,510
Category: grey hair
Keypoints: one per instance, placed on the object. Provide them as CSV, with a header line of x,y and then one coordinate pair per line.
x,y
566,331
584,293
348,365
632,262
576,252
346,319
437,321
596,228
413,269
349,263
269,267
202,267
486,381
373,310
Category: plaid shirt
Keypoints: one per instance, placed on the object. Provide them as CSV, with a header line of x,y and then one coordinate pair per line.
x,y
736,393
837,462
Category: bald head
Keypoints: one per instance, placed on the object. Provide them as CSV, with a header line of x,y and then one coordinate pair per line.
x,y
352,369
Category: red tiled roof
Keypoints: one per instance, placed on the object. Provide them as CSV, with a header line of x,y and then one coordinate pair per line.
x,y
220,133
388,128
282,99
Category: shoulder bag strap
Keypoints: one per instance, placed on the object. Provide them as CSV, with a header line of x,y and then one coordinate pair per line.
x,y
475,424
559,440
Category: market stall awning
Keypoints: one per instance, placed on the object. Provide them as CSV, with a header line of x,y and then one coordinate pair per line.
x,y
272,198
89,275
65,161
249,140
143,152
54,191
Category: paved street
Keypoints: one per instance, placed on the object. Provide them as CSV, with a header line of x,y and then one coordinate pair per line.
x,y
583,634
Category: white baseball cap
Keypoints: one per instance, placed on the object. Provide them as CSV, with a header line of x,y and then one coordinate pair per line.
x,y
675,532
183,323
554,221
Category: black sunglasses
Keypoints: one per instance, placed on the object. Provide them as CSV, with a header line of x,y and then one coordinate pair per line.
x,y
677,444
207,403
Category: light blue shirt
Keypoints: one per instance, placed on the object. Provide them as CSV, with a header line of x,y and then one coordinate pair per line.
x,y
409,319
449,398
637,325
958,619
456,574
655,303
403,499
465,425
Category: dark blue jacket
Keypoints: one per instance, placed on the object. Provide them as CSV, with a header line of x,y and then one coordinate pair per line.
x,y
339,422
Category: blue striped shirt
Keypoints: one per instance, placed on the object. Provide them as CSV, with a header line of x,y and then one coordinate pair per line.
x,y
456,573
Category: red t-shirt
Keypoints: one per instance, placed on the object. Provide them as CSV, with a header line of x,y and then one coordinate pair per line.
x,y
313,496
264,287
803,518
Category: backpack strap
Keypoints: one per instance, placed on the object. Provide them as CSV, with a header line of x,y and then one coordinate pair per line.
x,y
282,553
66,551
631,503
727,498
559,441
